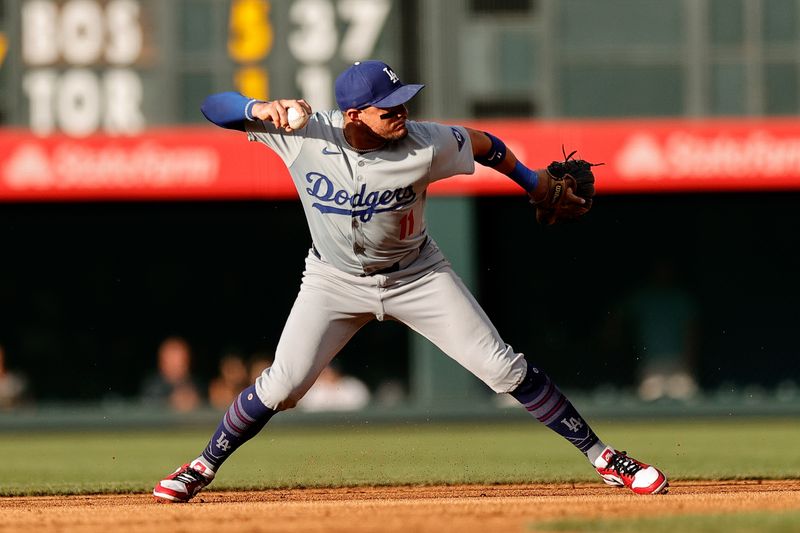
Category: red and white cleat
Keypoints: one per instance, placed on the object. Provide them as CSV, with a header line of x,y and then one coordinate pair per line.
x,y
620,470
184,483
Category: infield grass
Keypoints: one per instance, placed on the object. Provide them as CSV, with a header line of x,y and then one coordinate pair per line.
x,y
285,456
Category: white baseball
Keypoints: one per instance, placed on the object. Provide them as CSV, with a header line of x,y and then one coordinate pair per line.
x,y
296,119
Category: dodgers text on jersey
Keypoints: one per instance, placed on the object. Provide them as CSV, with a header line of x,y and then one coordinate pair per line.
x,y
364,204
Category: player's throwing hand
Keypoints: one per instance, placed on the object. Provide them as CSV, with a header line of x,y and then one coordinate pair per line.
x,y
277,112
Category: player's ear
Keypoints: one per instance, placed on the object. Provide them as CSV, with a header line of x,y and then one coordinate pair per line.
x,y
353,114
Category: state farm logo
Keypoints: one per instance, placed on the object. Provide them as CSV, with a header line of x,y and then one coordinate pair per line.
x,y
641,157
72,165
28,168
683,154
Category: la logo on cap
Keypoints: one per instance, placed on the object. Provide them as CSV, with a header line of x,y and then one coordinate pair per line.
x,y
392,76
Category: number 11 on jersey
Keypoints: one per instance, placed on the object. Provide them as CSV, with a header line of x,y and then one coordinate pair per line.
x,y
407,225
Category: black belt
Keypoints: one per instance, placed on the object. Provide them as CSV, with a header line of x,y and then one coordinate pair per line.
x,y
388,270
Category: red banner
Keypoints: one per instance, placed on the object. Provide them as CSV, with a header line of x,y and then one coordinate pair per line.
x,y
639,156
650,156
169,164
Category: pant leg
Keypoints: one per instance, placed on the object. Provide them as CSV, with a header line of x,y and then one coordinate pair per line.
x,y
325,316
440,307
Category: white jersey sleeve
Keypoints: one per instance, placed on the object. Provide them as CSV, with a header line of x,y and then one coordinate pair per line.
x,y
286,145
452,151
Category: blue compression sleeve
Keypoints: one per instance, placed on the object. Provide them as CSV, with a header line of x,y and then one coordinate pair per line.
x,y
228,110
524,177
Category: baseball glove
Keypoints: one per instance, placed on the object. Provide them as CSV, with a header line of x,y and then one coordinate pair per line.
x,y
569,181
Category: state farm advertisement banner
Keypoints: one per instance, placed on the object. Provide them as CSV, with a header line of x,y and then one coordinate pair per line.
x,y
171,164
640,156
651,156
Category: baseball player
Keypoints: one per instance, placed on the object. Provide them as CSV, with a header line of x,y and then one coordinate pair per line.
x,y
362,172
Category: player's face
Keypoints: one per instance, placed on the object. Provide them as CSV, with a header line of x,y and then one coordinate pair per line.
x,y
388,124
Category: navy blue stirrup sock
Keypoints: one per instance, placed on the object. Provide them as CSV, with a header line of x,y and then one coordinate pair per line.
x,y
246,416
548,405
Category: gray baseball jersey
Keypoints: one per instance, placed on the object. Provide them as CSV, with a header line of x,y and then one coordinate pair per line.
x,y
372,257
365,211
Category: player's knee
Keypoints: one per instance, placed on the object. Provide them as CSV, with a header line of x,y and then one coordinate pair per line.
x,y
279,399
275,394
506,372
289,401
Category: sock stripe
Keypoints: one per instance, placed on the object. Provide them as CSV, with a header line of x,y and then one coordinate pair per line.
x,y
555,411
545,408
239,423
542,399
231,426
240,410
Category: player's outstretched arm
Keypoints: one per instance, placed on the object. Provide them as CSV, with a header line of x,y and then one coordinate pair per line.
x,y
544,187
490,151
232,110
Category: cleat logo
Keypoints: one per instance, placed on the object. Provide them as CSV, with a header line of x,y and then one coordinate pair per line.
x,y
573,424
223,443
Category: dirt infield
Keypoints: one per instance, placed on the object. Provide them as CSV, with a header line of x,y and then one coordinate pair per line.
x,y
470,508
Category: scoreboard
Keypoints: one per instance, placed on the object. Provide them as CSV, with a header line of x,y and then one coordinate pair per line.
x,y
99,99
118,67
79,64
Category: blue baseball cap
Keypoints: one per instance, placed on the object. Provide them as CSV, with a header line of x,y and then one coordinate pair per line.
x,y
372,83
